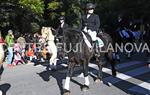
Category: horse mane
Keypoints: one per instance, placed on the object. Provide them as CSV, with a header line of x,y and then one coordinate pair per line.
x,y
72,35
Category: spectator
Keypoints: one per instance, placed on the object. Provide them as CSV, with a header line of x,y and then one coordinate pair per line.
x,y
30,54
2,41
17,55
10,41
63,25
21,40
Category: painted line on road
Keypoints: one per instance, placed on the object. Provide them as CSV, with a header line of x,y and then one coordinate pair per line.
x,y
138,88
126,75
142,88
127,64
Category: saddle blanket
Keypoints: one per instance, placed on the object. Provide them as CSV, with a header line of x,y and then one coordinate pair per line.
x,y
136,34
124,34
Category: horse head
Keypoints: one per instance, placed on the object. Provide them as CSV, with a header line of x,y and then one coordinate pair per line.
x,y
72,36
48,33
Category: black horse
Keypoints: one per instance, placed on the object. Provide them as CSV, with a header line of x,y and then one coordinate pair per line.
x,y
147,41
79,53
120,40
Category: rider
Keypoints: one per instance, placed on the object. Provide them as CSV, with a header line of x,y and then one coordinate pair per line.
x,y
120,23
90,22
63,25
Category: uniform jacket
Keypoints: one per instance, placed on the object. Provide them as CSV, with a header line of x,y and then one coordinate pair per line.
x,y
60,29
93,22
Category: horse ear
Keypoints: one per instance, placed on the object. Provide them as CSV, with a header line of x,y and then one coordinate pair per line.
x,y
54,32
42,30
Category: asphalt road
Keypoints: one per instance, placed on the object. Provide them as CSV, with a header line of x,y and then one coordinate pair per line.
x,y
133,78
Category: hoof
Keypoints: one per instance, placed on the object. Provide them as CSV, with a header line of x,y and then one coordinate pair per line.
x,y
48,68
118,60
53,68
66,92
114,74
97,81
85,88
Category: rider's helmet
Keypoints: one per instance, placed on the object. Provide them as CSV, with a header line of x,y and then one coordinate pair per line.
x,y
90,6
61,18
10,31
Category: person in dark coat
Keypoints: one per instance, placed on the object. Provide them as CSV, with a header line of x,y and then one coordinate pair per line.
x,y
63,25
90,23
90,20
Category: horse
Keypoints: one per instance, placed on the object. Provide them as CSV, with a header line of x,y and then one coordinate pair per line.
x,y
83,56
122,37
2,56
146,39
48,35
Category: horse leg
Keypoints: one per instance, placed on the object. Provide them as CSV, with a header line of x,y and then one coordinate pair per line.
x,y
112,62
69,76
85,87
53,60
100,73
113,68
116,56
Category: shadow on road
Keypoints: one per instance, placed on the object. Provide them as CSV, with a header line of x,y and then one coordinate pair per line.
x,y
59,75
124,85
5,87
46,75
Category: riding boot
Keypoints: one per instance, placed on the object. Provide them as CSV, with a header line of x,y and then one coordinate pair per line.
x,y
95,47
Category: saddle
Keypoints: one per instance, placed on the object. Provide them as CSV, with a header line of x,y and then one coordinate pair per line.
x,y
99,42
136,34
124,34
130,34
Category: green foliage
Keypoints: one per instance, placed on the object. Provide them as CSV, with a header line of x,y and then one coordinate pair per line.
x,y
35,27
20,14
35,5
26,15
54,5
68,8
6,12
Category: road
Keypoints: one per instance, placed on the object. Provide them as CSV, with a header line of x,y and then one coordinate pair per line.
x,y
133,78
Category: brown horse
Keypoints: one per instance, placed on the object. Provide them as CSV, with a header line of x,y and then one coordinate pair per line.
x,y
79,53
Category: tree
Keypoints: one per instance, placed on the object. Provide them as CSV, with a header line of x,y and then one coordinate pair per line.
x,y
20,14
34,9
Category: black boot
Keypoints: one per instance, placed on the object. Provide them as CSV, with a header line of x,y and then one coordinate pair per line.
x,y
95,47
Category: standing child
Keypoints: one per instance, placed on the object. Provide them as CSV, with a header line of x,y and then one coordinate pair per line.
x,y
17,56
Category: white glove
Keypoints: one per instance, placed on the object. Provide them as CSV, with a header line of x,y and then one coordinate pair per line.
x,y
85,29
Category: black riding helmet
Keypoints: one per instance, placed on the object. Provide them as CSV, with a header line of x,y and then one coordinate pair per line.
x,y
90,6
61,18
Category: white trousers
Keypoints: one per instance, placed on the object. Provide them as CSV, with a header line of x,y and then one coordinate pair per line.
x,y
94,37
91,33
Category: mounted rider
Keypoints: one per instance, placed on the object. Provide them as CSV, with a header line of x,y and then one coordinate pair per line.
x,y
90,23
63,25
